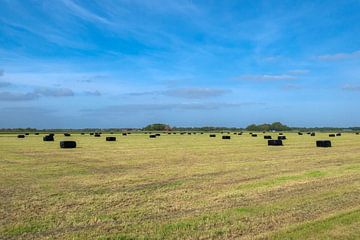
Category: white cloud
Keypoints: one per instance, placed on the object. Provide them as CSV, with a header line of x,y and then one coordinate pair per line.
x,y
267,77
339,56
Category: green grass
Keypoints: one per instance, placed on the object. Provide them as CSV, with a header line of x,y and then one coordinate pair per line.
x,y
179,187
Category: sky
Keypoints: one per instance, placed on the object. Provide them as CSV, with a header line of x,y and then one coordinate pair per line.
x,y
129,63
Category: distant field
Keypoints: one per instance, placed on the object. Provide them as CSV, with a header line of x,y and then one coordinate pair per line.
x,y
180,187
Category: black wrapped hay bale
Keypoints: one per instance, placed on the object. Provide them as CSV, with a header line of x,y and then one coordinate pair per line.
x,y
323,143
300,133
338,134
67,134
67,144
331,135
157,134
48,138
91,133
124,134
36,133
357,133
254,135
275,143
240,133
110,139
21,136
27,134
312,134
267,137
281,134
282,137
97,135
152,136
82,133
226,137
212,135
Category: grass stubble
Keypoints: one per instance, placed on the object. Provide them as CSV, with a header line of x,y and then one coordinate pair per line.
x,y
180,187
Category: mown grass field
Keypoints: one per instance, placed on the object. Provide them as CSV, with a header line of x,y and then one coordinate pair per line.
x,y
180,187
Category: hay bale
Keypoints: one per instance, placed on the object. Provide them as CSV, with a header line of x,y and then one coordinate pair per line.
x,y
189,133
312,134
67,144
357,133
212,135
110,139
36,133
332,135
82,133
124,134
281,134
267,137
67,134
91,133
152,136
338,134
97,135
226,137
27,134
48,138
240,133
300,133
323,143
254,135
21,136
282,137
51,134
275,143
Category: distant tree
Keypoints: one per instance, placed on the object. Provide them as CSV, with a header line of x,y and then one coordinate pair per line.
x,y
276,126
157,127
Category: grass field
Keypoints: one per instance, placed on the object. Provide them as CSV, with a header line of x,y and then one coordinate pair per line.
x,y
180,187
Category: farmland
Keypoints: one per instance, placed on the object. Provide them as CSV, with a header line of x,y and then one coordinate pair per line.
x,y
180,187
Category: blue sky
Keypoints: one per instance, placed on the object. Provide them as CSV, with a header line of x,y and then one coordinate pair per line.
x,y
107,63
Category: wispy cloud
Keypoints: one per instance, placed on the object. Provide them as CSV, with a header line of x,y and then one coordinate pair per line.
x,y
187,93
298,72
54,92
37,93
267,77
290,87
1,72
93,93
125,108
84,13
349,87
339,56
10,96
4,84
195,93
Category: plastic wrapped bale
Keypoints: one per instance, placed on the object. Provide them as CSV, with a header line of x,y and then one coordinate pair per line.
x,y
212,135
157,134
239,133
82,133
254,135
97,135
226,137
323,143
36,133
124,134
300,133
67,144
51,134
152,136
312,134
357,133
21,136
91,133
27,134
48,138
275,143
189,133
110,139
332,135
267,137
67,134
282,137
281,134
338,134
